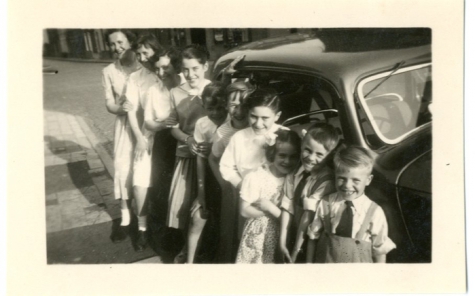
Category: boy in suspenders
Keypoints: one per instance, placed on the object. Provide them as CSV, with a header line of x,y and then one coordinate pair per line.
x,y
348,226
304,189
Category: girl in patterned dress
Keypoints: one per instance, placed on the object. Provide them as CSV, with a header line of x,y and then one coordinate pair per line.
x,y
246,149
261,194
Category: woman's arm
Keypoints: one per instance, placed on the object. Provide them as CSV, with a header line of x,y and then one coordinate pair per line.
x,y
307,217
141,145
155,126
184,138
113,108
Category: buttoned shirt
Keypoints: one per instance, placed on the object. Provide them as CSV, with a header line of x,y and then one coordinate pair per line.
x,y
377,232
311,193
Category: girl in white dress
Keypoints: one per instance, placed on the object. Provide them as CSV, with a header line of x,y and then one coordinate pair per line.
x,y
261,194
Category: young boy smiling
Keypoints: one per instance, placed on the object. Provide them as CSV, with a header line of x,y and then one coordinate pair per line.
x,y
304,189
348,226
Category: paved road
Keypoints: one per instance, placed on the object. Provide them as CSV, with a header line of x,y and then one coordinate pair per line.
x,y
81,211
77,90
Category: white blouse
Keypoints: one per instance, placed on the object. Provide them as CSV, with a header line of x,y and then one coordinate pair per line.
x,y
245,152
261,183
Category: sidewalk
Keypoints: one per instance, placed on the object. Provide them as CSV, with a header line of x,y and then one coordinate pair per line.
x,y
80,207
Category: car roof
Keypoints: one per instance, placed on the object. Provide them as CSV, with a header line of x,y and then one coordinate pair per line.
x,y
303,53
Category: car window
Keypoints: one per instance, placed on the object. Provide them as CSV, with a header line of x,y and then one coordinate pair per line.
x,y
304,98
395,105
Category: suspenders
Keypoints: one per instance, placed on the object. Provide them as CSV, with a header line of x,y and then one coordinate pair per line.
x,y
364,227
366,221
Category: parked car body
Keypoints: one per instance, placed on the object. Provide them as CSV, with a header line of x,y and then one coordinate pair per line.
x,y
379,100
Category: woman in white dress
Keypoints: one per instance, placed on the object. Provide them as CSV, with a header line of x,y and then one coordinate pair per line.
x,y
114,80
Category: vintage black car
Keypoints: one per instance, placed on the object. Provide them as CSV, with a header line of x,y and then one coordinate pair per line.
x,y
379,99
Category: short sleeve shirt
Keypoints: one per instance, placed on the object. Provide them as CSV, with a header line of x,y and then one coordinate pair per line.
x,y
377,232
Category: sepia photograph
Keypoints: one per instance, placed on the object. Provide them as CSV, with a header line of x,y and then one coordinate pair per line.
x,y
250,152
146,174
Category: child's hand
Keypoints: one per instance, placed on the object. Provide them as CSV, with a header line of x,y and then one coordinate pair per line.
x,y
263,204
204,148
169,122
229,70
192,145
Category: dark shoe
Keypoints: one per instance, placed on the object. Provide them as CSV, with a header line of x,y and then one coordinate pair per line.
x,y
119,234
141,241
180,258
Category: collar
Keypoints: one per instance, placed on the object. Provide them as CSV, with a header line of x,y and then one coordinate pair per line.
x,y
299,171
320,172
196,92
361,204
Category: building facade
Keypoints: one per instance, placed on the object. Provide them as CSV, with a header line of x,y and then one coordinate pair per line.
x,y
92,43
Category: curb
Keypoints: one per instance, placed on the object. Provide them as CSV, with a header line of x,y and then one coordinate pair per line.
x,y
103,155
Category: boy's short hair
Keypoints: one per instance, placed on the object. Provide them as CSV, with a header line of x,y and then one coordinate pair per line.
x,y
324,134
214,94
196,51
354,157
264,97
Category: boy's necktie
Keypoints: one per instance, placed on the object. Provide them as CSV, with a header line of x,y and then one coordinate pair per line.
x,y
299,189
345,226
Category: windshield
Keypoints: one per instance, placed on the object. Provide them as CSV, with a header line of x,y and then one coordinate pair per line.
x,y
397,104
